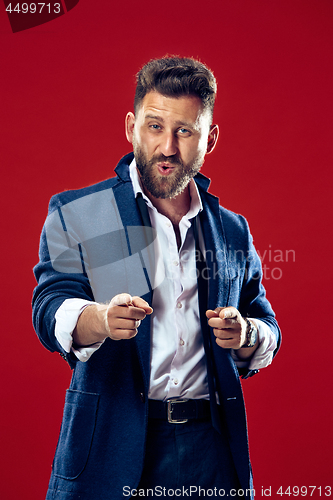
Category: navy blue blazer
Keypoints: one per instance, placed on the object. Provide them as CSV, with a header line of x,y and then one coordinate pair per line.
x,y
102,440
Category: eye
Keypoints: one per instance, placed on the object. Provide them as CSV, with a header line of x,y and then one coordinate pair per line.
x,y
184,131
155,126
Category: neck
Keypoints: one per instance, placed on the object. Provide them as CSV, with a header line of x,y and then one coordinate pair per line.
x,y
173,208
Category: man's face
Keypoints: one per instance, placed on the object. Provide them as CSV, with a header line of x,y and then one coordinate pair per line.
x,y
170,138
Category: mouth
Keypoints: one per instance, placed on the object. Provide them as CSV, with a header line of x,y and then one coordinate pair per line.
x,y
164,168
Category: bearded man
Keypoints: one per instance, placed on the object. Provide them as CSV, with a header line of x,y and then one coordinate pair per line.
x,y
152,292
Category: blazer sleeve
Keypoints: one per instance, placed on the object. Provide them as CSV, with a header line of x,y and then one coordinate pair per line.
x,y
60,275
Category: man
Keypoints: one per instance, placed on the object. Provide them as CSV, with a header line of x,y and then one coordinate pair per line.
x,y
153,294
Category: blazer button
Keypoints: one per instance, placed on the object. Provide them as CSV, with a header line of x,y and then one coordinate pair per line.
x,y
142,397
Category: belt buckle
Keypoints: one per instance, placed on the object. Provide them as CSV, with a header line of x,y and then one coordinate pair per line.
x,y
170,409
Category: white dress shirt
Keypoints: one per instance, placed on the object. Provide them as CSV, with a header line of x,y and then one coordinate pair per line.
x,y
178,366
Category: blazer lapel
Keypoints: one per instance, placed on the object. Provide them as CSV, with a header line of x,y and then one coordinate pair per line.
x,y
216,252
217,263
130,216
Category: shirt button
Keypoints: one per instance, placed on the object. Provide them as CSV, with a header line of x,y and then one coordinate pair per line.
x,y
168,223
175,263
175,381
179,305
182,342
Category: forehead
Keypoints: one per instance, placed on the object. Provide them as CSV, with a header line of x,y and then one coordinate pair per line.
x,y
188,109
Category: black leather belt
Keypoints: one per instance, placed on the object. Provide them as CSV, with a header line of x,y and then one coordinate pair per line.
x,y
179,411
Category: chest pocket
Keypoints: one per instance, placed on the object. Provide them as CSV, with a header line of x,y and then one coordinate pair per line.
x,y
234,288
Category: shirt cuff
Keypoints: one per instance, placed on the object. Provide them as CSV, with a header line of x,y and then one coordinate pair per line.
x,y
263,355
66,319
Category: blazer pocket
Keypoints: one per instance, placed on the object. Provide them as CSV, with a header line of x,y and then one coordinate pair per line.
x,y
76,434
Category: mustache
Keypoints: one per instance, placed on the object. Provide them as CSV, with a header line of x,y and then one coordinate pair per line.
x,y
173,160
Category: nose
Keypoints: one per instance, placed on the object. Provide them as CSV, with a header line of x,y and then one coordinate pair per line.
x,y
168,144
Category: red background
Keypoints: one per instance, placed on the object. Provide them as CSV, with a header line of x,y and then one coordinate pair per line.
x,y
65,89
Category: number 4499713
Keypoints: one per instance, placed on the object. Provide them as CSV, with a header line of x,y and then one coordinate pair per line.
x,y
303,491
34,8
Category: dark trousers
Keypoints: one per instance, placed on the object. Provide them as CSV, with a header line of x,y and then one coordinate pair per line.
x,y
190,460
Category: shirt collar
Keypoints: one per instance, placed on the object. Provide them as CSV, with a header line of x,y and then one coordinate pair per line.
x,y
196,204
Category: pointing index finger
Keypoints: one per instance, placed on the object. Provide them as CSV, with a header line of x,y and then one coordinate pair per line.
x,y
122,299
228,313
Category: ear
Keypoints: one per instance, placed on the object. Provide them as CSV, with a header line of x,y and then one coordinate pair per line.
x,y
129,126
212,138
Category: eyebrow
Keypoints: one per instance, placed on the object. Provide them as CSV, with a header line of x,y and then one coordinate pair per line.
x,y
154,117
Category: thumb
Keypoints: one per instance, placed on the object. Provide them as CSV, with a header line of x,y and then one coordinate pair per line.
x,y
139,302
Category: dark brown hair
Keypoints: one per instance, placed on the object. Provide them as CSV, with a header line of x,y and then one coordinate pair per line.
x,y
175,77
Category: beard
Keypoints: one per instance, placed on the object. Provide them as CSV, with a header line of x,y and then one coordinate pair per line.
x,y
170,185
